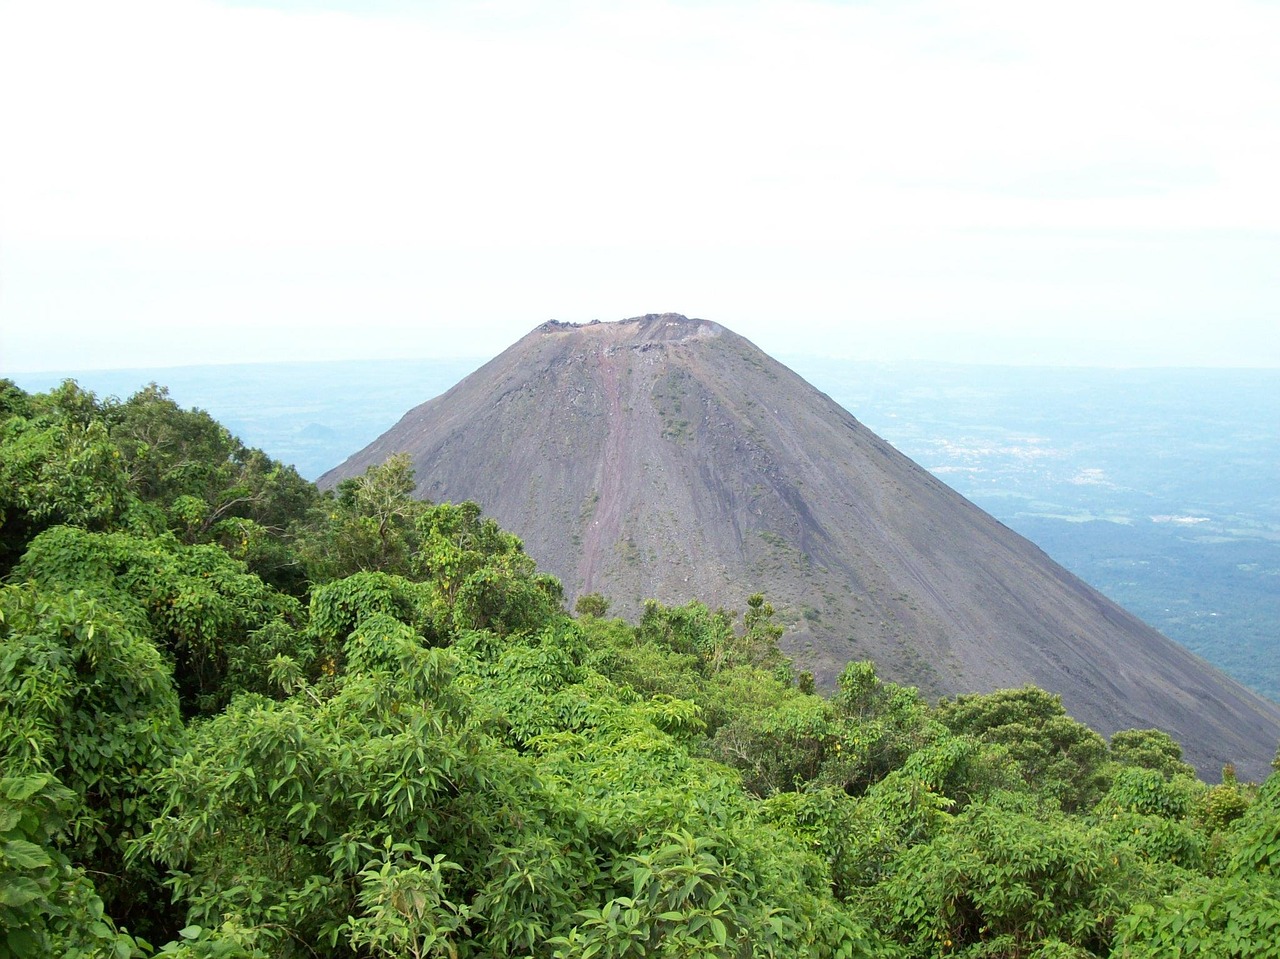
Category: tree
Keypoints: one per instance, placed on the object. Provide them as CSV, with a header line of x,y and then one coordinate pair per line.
x,y
57,465
199,605
1235,914
1151,749
780,748
1001,880
207,486
591,604
1058,757
49,906
370,525
691,629
86,699
694,628
879,724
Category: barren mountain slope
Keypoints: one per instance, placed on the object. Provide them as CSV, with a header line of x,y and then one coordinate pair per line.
x,y
670,458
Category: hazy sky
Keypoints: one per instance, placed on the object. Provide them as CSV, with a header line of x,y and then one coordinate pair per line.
x,y
186,181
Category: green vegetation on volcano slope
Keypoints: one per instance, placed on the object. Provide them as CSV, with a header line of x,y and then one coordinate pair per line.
x,y
239,718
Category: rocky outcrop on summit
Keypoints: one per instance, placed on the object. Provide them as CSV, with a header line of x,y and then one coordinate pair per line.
x,y
670,458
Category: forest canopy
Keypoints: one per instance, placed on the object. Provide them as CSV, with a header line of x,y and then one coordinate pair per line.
x,y
242,718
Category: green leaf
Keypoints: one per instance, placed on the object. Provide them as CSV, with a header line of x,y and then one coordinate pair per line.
x,y
23,787
19,891
718,930
24,855
23,942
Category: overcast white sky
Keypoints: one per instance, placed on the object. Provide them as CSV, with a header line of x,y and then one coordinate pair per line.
x,y
188,181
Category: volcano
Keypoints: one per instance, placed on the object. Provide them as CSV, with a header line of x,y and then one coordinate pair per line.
x,y
669,458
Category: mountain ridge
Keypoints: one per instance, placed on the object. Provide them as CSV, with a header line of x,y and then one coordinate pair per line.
x,y
670,458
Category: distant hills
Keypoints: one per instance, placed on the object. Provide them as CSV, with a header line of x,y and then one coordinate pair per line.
x,y
1158,487
670,458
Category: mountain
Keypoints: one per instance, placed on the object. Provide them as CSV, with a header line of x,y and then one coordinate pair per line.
x,y
670,458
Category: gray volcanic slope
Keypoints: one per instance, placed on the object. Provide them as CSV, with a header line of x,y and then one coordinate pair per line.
x,y
670,458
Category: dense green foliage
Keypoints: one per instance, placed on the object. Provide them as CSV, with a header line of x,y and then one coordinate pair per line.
x,y
242,719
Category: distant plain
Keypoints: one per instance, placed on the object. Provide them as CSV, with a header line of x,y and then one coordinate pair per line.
x,y
1160,487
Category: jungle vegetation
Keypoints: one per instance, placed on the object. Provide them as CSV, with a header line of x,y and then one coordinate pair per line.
x,y
241,718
